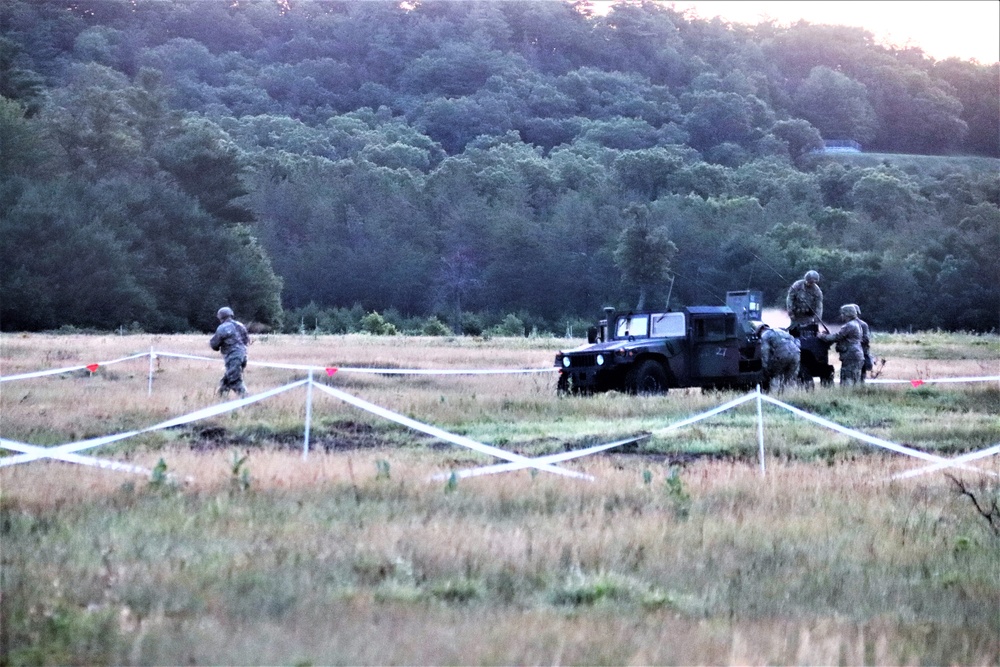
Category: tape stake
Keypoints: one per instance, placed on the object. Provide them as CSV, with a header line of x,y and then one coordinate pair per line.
x,y
760,430
916,383
331,371
309,411
152,362
92,367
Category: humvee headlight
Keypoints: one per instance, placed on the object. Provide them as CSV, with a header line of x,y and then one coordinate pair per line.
x,y
600,360
565,362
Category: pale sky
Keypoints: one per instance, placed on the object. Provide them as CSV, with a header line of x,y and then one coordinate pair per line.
x,y
964,29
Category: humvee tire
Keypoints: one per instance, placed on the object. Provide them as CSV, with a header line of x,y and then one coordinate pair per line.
x,y
647,378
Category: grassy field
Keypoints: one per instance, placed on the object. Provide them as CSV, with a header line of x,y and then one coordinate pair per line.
x,y
240,550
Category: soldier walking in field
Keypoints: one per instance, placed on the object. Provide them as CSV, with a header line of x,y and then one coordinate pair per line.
x,y
804,302
848,343
231,339
779,353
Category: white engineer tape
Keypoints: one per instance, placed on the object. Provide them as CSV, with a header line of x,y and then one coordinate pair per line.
x,y
73,447
448,371
964,458
918,382
549,458
405,371
705,415
878,442
42,452
375,371
413,371
446,436
69,369
178,355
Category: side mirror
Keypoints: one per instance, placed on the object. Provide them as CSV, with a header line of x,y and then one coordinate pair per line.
x,y
592,335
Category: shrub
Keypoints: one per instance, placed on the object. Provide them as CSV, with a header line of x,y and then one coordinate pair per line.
x,y
376,325
435,327
512,325
471,324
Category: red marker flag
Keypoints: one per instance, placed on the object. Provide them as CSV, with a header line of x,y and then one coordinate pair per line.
x,y
916,383
331,371
92,367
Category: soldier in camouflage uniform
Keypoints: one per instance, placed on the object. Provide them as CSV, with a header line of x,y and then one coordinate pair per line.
x,y
231,339
848,340
804,302
866,339
779,352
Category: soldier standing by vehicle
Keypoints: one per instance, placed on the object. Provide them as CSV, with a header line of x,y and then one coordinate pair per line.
x,y
231,339
779,353
804,302
848,340
866,339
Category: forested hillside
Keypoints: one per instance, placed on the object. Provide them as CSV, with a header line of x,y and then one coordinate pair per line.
x,y
477,161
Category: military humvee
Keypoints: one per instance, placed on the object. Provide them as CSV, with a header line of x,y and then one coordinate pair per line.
x,y
648,352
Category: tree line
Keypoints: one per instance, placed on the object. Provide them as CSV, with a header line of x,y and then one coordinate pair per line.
x,y
480,162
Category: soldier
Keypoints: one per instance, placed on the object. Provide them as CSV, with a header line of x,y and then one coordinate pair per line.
x,y
848,340
779,352
231,338
866,336
805,301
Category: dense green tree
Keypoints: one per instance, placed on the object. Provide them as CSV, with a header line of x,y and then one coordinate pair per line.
x,y
799,135
386,154
17,83
885,197
977,88
915,114
207,167
716,117
646,172
24,148
84,276
644,252
836,105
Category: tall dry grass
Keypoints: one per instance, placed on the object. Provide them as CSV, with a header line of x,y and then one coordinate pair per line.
x,y
356,555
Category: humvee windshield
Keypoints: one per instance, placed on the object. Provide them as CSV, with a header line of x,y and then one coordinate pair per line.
x,y
668,325
636,326
656,325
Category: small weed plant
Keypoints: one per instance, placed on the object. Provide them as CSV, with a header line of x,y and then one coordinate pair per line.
x,y
239,473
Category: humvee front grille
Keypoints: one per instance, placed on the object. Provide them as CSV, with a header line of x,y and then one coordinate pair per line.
x,y
582,360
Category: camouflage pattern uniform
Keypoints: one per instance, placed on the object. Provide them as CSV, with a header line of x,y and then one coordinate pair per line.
x,y
866,338
804,302
779,352
231,339
848,343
